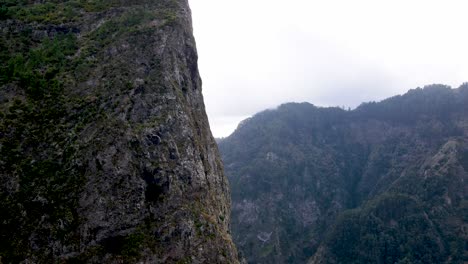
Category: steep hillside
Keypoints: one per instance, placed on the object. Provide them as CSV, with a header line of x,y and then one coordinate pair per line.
x,y
105,150
384,183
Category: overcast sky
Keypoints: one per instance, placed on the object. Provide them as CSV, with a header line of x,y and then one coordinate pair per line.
x,y
257,54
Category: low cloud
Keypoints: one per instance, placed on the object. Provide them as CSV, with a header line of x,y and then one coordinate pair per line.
x,y
258,54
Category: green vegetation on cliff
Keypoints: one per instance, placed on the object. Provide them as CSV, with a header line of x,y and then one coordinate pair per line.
x,y
105,150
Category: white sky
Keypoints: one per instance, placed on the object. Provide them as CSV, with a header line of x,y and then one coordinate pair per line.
x,y
257,54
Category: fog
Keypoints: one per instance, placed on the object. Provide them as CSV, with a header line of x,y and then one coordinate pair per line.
x,y
258,54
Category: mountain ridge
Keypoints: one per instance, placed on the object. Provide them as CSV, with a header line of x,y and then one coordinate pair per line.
x,y
295,169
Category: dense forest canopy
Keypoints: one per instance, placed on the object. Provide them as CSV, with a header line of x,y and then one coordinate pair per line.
x,y
383,183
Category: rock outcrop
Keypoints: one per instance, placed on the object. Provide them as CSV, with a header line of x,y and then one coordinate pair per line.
x,y
106,155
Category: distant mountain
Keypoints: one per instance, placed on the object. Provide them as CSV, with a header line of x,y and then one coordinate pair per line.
x,y
384,183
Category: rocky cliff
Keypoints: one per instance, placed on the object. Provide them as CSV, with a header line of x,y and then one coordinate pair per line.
x,y
106,155
384,183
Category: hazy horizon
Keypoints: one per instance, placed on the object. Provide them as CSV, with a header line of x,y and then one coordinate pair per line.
x,y
236,124
258,55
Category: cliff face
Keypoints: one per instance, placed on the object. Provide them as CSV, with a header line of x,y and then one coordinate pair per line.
x,y
105,149
384,183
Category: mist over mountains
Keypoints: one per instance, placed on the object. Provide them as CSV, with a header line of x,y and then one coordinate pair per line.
x,y
384,183
106,153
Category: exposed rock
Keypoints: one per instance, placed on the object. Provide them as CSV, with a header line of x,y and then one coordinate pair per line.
x,y
106,151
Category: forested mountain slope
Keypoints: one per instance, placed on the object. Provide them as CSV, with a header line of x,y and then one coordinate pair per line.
x,y
384,183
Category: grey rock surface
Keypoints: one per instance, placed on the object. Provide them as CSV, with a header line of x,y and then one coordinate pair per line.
x,y
125,169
